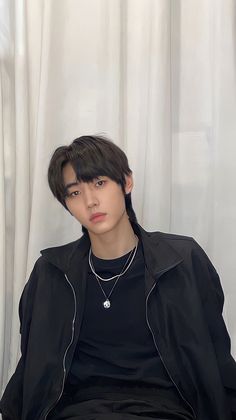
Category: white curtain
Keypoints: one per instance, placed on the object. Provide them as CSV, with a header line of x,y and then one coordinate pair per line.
x,y
158,77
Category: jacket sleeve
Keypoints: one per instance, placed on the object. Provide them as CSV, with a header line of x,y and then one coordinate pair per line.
x,y
213,301
11,402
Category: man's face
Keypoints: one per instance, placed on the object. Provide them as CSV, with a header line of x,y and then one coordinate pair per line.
x,y
99,205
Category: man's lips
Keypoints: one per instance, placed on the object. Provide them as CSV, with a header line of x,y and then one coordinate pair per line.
x,y
97,216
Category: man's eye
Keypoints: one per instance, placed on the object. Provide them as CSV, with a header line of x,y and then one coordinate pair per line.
x,y
100,183
73,193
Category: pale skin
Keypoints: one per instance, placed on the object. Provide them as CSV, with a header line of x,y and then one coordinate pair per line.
x,y
111,233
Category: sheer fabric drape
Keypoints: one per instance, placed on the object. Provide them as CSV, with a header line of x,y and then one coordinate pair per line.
x,y
157,76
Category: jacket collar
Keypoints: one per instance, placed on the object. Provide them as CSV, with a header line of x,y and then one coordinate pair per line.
x,y
159,255
62,256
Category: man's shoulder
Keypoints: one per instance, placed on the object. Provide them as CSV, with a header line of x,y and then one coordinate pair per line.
x,y
67,247
173,239
184,245
61,255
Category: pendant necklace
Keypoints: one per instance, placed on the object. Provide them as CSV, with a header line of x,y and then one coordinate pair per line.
x,y
130,259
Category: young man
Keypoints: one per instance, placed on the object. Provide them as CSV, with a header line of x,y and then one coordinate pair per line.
x,y
122,323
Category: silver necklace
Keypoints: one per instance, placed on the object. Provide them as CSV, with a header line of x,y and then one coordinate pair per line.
x,y
107,302
124,269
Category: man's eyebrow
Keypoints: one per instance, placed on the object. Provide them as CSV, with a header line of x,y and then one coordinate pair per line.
x,y
76,183
71,184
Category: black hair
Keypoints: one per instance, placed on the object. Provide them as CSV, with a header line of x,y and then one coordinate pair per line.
x,y
90,157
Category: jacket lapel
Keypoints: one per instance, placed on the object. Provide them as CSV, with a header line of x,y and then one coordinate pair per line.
x,y
72,260
159,256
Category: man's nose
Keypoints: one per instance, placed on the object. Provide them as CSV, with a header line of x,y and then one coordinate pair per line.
x,y
90,197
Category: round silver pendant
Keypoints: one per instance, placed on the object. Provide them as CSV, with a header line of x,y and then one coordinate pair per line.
x,y
107,304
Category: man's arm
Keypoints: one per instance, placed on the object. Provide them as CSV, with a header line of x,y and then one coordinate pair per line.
x,y
213,301
12,399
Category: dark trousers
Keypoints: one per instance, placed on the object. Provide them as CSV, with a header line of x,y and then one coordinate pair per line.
x,y
118,406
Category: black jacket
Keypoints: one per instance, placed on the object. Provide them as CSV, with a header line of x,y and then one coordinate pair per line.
x,y
184,302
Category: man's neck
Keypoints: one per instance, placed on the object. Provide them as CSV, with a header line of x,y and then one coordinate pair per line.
x,y
115,243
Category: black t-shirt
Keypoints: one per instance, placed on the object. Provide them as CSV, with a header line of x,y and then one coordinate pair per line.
x,y
116,342
115,352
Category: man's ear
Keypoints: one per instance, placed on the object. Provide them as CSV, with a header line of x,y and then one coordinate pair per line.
x,y
129,183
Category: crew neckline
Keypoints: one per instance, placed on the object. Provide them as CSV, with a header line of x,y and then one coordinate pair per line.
x,y
113,262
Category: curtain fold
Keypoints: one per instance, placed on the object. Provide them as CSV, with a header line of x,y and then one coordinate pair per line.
x,y
158,77
3,294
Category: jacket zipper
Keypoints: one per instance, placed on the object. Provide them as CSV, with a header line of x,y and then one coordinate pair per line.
x,y
67,349
72,338
159,353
